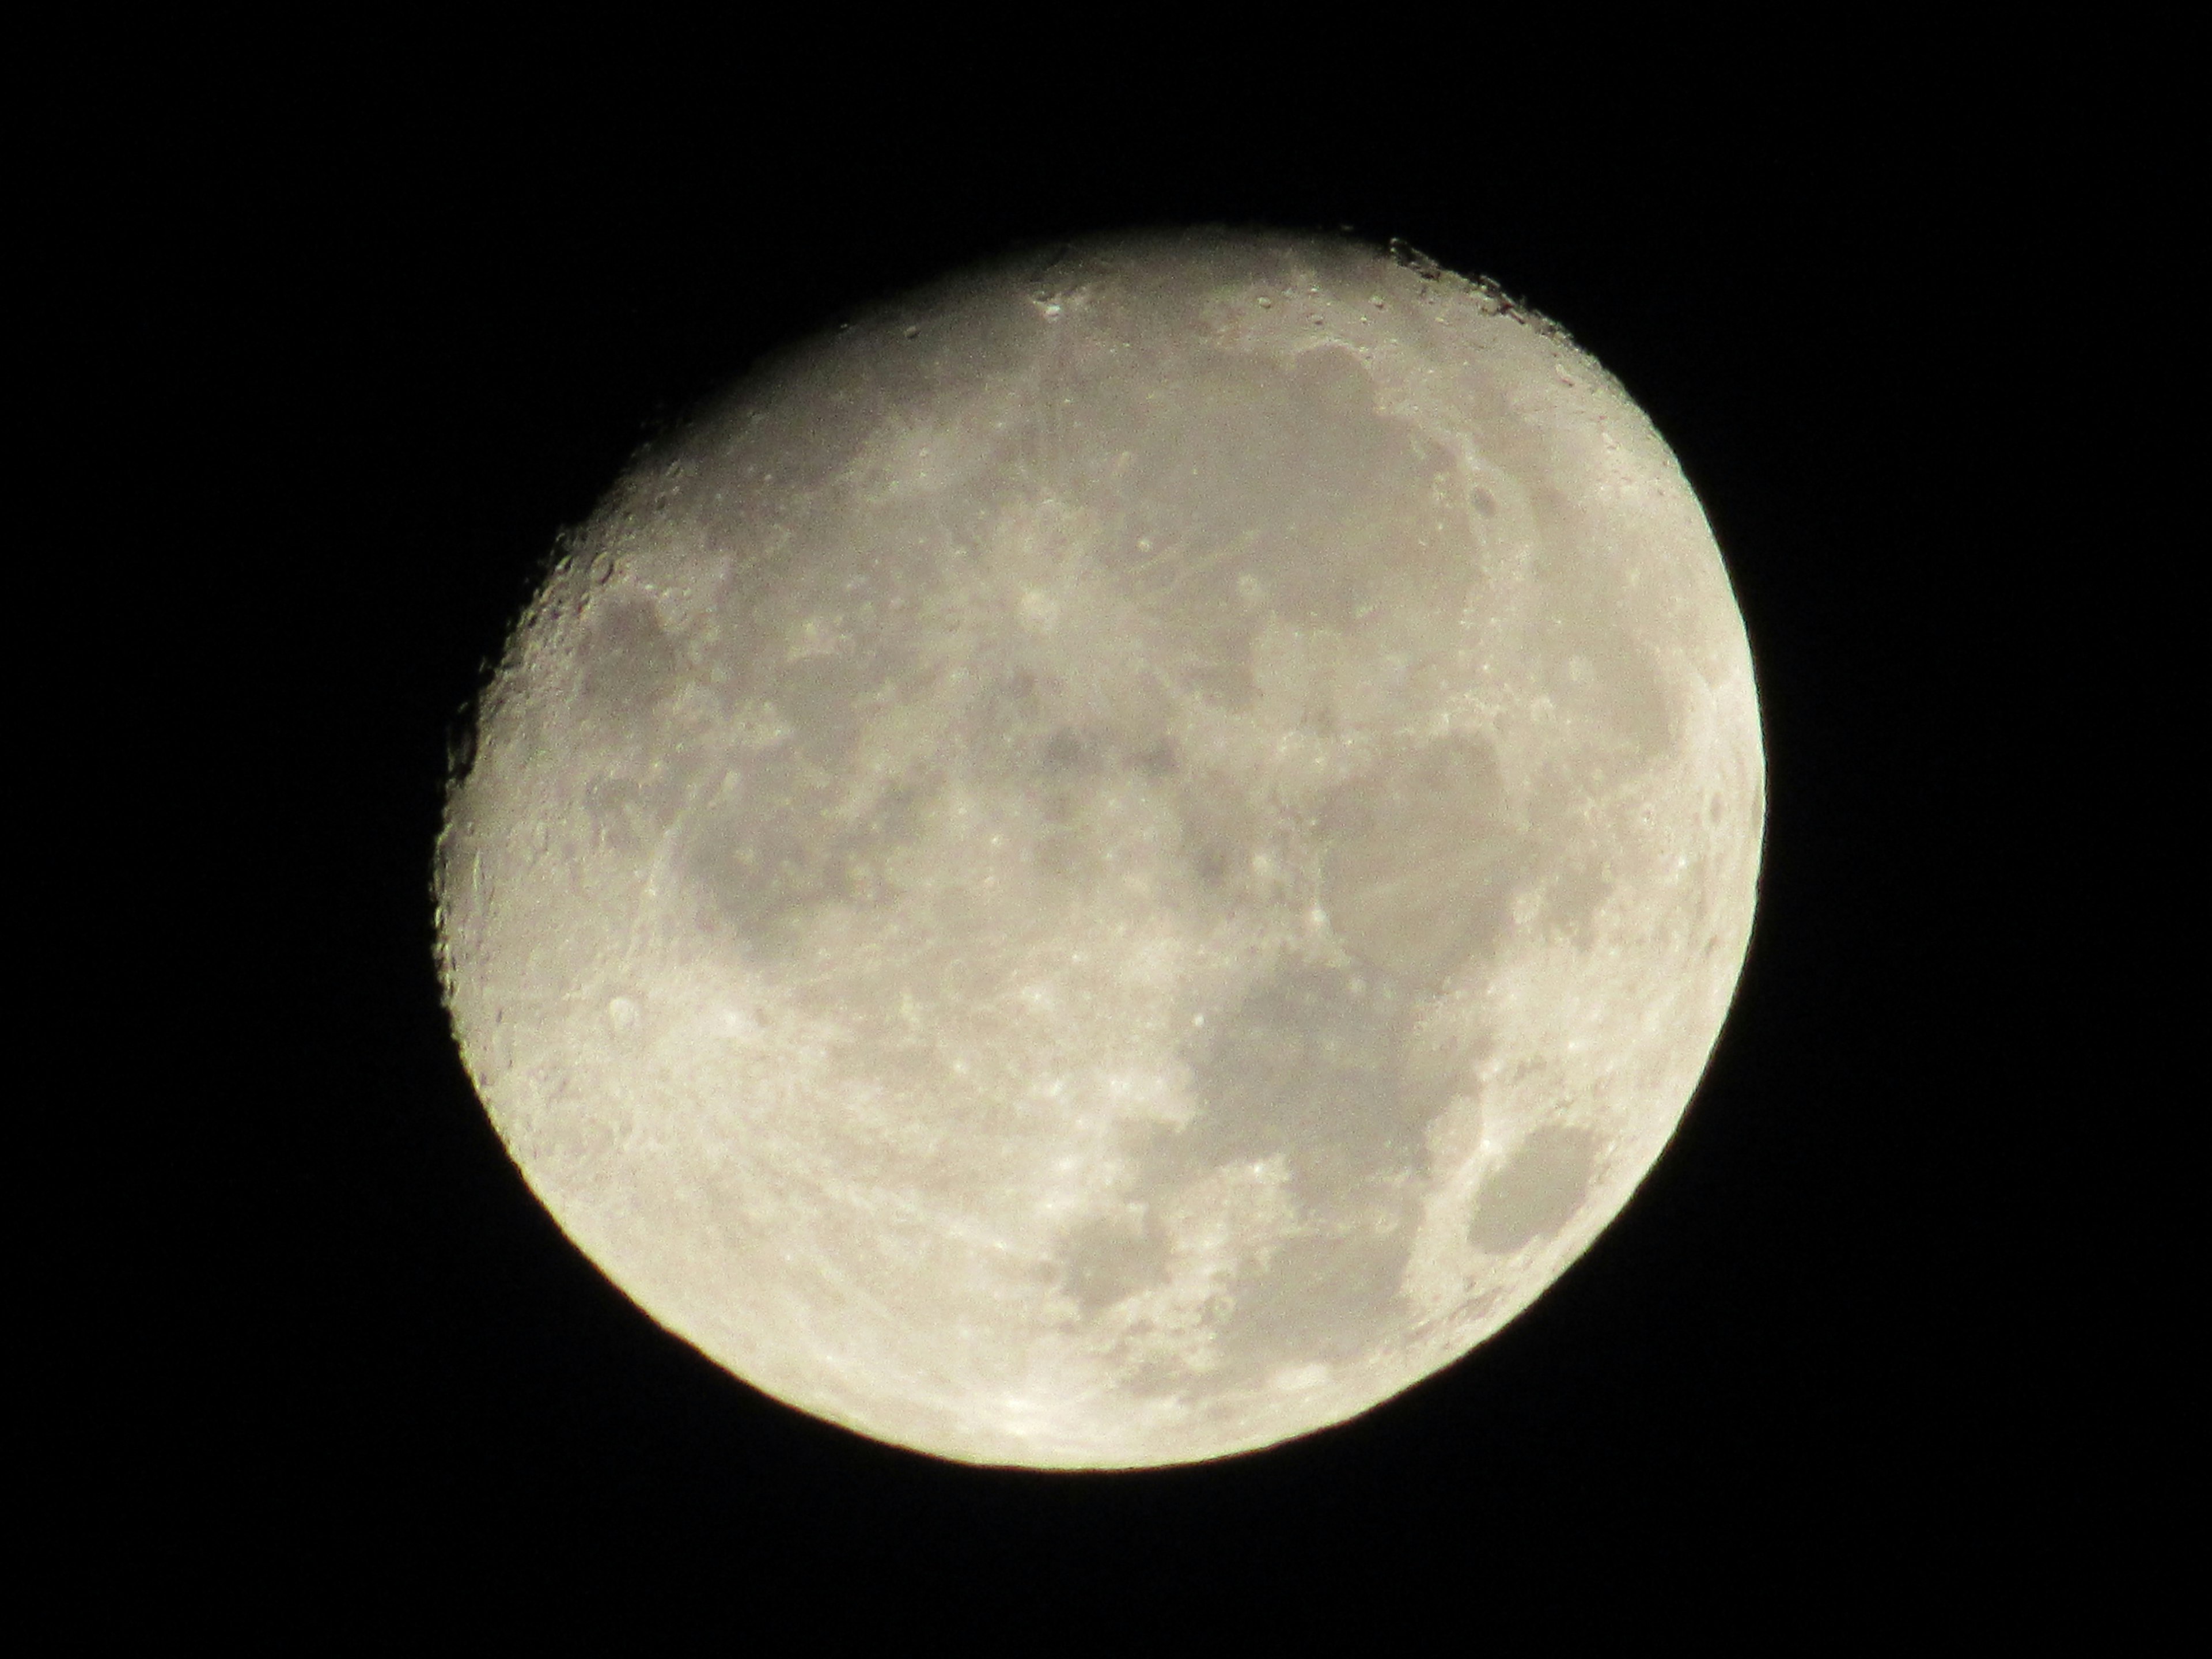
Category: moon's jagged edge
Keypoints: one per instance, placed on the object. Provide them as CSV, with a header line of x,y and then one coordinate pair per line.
x,y
1121,860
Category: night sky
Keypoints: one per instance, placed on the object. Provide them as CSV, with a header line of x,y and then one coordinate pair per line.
x,y
409,327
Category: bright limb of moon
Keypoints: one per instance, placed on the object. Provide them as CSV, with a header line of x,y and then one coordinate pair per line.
x,y
1120,860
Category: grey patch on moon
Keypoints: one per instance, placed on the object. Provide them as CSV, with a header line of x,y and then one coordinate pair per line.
x,y
1420,858
629,662
1572,898
764,861
1536,1191
1265,487
1313,1066
1105,1261
1326,1298
1307,1065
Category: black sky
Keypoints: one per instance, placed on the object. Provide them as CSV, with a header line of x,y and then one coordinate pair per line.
x,y
1801,1371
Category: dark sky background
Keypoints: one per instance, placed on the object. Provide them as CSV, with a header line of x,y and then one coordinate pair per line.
x,y
1801,1371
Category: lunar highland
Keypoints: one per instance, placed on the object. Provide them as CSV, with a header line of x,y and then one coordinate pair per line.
x,y
1119,859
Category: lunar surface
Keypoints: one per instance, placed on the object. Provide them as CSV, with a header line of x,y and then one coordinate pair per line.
x,y
1119,859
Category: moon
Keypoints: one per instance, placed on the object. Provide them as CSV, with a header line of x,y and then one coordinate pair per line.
x,y
1120,858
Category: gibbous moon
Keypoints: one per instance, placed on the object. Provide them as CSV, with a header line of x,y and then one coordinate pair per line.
x,y
1120,860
